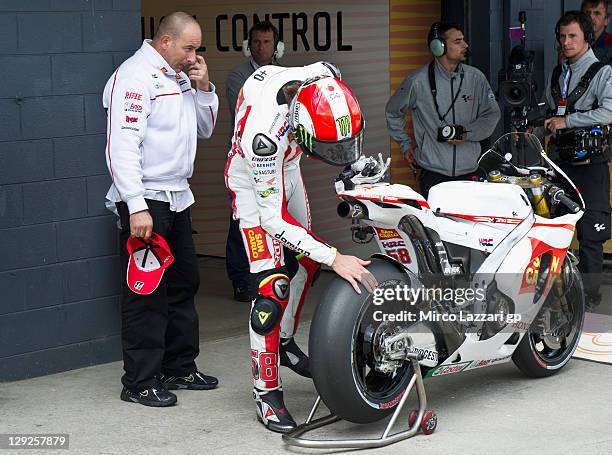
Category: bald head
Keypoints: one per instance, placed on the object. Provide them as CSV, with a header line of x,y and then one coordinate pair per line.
x,y
174,25
177,38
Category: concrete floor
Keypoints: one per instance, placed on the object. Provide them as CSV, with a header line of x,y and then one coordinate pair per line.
x,y
491,410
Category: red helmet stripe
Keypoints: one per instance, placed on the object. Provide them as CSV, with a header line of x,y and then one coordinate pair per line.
x,y
318,107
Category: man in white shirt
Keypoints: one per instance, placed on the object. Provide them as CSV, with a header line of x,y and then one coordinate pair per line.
x,y
154,118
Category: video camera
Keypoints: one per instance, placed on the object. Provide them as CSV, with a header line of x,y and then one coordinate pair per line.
x,y
517,87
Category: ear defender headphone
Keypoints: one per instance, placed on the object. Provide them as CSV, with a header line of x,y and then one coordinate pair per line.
x,y
586,25
437,45
279,46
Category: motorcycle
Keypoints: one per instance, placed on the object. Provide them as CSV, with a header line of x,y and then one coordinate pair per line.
x,y
505,238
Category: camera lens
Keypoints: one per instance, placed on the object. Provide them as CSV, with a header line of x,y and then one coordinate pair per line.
x,y
515,94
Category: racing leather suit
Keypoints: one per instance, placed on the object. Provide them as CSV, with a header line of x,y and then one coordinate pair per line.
x,y
269,200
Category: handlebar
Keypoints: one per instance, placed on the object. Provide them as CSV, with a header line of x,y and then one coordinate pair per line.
x,y
558,196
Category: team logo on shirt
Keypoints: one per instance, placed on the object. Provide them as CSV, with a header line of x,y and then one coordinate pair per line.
x,y
263,145
257,245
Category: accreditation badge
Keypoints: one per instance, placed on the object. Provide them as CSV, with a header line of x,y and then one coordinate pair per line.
x,y
561,107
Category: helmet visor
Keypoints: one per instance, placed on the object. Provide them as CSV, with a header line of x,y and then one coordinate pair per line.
x,y
336,153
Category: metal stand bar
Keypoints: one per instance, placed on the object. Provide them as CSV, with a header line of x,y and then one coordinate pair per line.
x,y
294,438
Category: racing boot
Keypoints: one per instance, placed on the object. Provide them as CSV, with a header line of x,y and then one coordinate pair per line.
x,y
271,411
291,356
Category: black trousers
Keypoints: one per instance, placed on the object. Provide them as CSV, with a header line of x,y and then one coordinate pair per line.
x,y
593,229
236,261
160,331
430,178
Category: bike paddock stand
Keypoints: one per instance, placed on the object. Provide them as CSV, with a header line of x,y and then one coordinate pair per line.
x,y
420,419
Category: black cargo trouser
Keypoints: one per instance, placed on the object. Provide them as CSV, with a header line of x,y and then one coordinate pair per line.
x,y
593,229
236,261
159,331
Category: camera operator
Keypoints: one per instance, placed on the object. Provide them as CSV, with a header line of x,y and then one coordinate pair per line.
x,y
453,108
579,91
599,12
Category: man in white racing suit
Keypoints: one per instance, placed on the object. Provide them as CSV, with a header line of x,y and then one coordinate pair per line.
x,y
280,113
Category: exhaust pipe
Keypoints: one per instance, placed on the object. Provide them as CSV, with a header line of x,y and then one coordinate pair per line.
x,y
352,210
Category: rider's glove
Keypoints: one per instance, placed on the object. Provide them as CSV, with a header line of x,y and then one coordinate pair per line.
x,y
369,170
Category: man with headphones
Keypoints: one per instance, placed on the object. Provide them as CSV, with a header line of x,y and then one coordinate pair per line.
x,y
579,93
452,107
264,48
599,12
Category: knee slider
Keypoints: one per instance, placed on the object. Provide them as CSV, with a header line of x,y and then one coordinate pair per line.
x,y
266,313
270,304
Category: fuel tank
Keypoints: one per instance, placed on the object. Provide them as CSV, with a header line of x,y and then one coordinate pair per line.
x,y
502,205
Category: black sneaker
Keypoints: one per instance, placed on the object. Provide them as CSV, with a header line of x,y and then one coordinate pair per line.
x,y
193,381
156,396
271,411
291,356
592,301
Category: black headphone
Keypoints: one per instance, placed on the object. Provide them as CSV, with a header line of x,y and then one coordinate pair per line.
x,y
583,19
437,45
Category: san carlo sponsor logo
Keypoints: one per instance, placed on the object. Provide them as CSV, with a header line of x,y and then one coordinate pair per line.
x,y
258,248
385,234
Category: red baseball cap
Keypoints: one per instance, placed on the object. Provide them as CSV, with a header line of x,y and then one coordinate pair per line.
x,y
148,261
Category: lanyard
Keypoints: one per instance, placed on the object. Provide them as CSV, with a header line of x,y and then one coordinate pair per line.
x,y
567,77
434,91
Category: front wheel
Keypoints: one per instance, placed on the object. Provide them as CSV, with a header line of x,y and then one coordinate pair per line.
x,y
553,336
344,346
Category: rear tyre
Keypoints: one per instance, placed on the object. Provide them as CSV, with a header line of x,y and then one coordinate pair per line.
x,y
343,348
